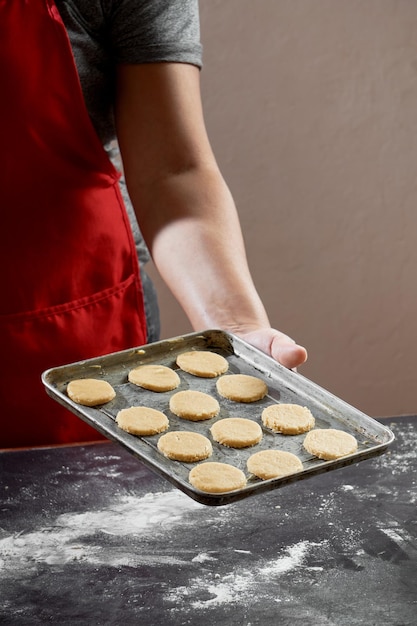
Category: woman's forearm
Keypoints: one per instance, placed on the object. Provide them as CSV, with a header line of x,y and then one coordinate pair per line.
x,y
197,246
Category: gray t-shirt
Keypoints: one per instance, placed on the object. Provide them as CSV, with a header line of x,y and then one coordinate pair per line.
x,y
105,33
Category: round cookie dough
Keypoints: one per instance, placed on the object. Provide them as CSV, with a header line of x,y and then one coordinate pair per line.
x,y
241,387
202,363
330,443
214,477
236,432
273,464
142,421
194,405
90,391
288,419
185,446
154,377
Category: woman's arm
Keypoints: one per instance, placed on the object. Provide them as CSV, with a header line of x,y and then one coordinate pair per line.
x,y
184,208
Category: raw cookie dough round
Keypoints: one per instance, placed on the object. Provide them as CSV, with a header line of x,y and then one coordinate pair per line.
x,y
288,419
241,387
236,432
273,464
90,391
202,363
154,377
194,405
142,421
214,477
185,446
329,443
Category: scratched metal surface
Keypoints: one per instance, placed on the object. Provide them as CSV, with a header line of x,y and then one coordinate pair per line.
x,y
283,386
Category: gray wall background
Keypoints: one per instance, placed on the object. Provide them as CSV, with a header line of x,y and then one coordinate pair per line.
x,y
311,106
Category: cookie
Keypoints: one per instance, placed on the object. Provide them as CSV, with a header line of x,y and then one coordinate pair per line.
x,y
142,421
194,405
213,477
288,419
268,464
236,432
90,391
241,387
330,443
154,377
202,363
185,446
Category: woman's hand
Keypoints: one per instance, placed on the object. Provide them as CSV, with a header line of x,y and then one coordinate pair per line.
x,y
277,345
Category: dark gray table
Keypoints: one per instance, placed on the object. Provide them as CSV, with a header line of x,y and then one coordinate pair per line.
x,y
91,536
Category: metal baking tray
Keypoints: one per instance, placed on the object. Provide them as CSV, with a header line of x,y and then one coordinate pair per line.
x,y
284,386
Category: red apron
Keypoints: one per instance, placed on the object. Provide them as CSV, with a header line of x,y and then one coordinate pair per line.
x,y
70,280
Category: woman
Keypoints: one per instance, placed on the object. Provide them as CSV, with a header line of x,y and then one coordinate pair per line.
x,y
77,74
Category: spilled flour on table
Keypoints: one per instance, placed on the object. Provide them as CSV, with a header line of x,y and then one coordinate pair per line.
x,y
212,577
402,460
288,562
71,538
238,586
198,574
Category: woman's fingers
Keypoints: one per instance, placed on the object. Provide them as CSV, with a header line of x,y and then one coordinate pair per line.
x,y
277,345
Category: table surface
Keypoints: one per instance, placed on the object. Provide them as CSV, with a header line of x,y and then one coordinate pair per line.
x,y
88,535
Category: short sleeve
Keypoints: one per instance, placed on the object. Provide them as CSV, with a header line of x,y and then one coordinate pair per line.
x,y
149,31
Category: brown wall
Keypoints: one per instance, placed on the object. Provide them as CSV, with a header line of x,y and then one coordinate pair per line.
x,y
311,106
